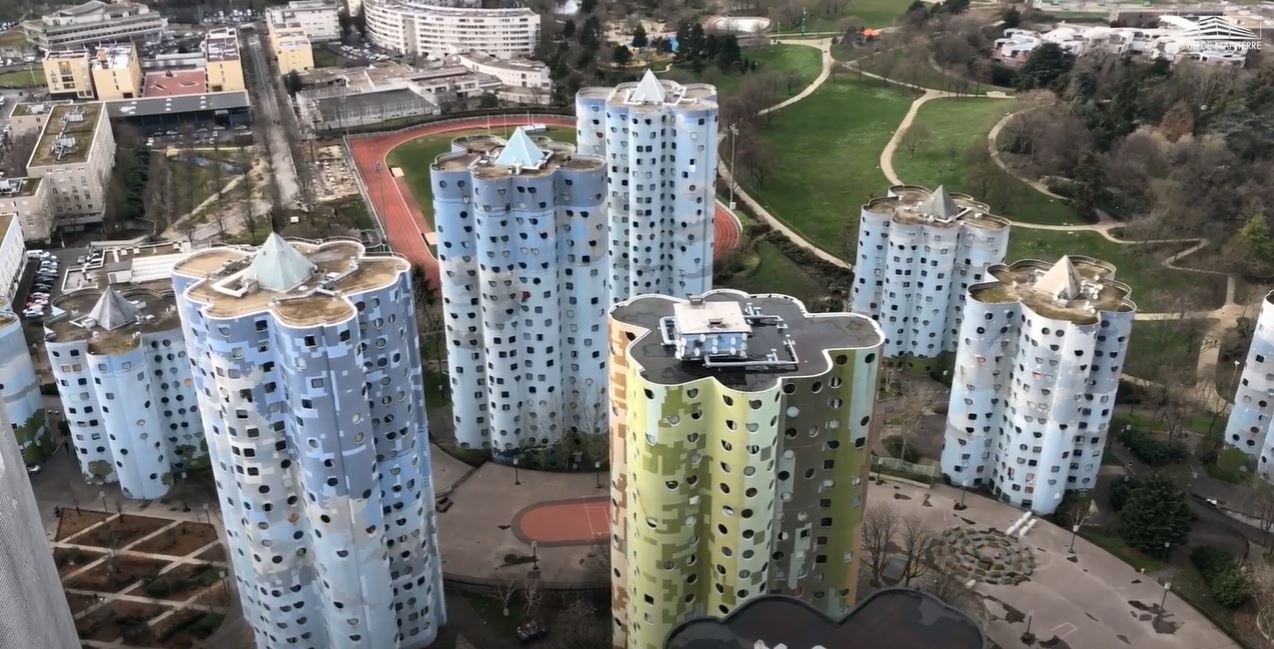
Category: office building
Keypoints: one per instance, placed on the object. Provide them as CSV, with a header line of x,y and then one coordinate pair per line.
x,y
740,430
117,74
317,18
659,141
75,154
423,29
116,351
33,608
67,74
918,253
1249,424
30,117
1039,358
521,244
291,49
95,22
222,64
29,201
308,368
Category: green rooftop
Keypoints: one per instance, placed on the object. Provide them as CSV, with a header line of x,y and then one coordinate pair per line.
x,y
67,136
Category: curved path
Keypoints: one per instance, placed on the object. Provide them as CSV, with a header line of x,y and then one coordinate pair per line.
x,y
403,218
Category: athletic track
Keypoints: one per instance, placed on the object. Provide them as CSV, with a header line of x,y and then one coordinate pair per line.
x,y
404,219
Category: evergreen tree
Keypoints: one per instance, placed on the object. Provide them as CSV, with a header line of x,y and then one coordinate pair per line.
x,y
1254,245
1047,63
1090,179
621,55
1156,513
568,28
639,37
1011,17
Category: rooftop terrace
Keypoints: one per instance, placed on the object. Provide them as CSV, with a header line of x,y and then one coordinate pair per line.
x,y
491,156
800,341
172,83
68,135
1075,288
914,204
111,320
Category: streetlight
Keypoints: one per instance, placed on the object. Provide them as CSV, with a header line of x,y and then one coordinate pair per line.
x,y
1074,533
516,481
597,473
1167,549
1167,586
535,556
734,137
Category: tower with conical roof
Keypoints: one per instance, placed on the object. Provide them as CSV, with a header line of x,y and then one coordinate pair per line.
x,y
659,141
918,251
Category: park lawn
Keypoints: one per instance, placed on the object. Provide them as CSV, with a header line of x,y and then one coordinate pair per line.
x,y
826,158
29,78
1159,348
13,38
1116,546
774,272
911,65
799,64
870,13
949,127
416,156
1154,288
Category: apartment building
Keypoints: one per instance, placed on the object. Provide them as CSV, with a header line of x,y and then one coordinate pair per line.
x,y
222,63
20,390
660,207
521,243
1038,363
74,155
918,253
29,201
30,117
117,74
291,49
740,429
13,256
418,28
318,18
67,74
1249,424
95,22
309,376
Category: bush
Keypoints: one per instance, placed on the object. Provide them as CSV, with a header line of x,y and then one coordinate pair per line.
x,y
1152,450
1229,586
1119,492
895,445
1210,560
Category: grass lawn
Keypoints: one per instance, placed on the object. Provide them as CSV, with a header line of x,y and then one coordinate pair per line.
x,y
416,156
1116,546
775,273
1154,288
1161,348
491,611
911,65
826,155
325,58
798,63
871,13
1190,586
29,78
13,38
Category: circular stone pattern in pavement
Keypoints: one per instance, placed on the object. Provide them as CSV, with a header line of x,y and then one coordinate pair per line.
x,y
989,556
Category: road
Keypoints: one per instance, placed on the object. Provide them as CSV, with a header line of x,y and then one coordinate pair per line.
x,y
269,126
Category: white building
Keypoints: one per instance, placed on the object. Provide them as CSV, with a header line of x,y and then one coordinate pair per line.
x,y
308,370
75,154
95,22
419,28
1249,424
1040,355
659,139
318,18
13,254
1209,38
20,391
33,608
521,241
522,73
917,253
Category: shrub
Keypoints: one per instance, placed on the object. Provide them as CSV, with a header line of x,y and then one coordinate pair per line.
x,y
1119,492
1152,450
1210,560
1155,513
1230,587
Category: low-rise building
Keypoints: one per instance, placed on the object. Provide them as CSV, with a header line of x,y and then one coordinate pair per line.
x,y
1212,39
30,201
75,154
95,22
292,49
117,74
67,74
26,118
117,352
221,54
523,73
420,28
318,18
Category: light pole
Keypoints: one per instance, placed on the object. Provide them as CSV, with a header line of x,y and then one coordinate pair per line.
x,y
516,481
734,138
535,556
1167,550
1074,533
1167,586
597,473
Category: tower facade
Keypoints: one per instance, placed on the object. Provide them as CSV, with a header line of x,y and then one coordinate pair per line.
x,y
119,359
918,252
659,141
739,456
1249,424
308,370
33,608
20,390
1040,355
522,248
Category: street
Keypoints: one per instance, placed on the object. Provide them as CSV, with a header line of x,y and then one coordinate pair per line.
x,y
267,123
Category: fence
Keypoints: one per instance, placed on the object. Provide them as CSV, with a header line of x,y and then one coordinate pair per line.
x,y
926,473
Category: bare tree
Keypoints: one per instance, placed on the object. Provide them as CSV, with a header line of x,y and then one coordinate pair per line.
x,y
916,540
531,595
880,525
917,135
1261,507
578,626
505,591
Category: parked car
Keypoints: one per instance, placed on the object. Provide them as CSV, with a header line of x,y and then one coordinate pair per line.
x,y
531,630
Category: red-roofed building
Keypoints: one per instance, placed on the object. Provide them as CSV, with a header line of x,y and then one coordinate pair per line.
x,y
169,83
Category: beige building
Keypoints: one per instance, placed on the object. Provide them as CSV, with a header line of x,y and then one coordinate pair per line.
x,y
29,117
225,71
317,17
95,22
74,155
67,73
117,74
292,49
30,200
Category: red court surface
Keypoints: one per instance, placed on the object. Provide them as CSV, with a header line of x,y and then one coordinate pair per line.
x,y
582,521
404,219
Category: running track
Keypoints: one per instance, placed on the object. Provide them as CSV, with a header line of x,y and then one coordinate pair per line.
x,y
404,219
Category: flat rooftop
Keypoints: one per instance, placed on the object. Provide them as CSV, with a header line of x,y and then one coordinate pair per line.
x,y
812,335
74,135
482,153
156,311
18,187
523,65
893,618
222,45
338,107
29,108
232,284
172,83
633,94
939,208
138,265
426,9
113,57
178,104
67,55
1075,288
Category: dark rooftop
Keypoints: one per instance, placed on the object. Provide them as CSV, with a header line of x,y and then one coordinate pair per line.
x,y
177,104
812,334
893,618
